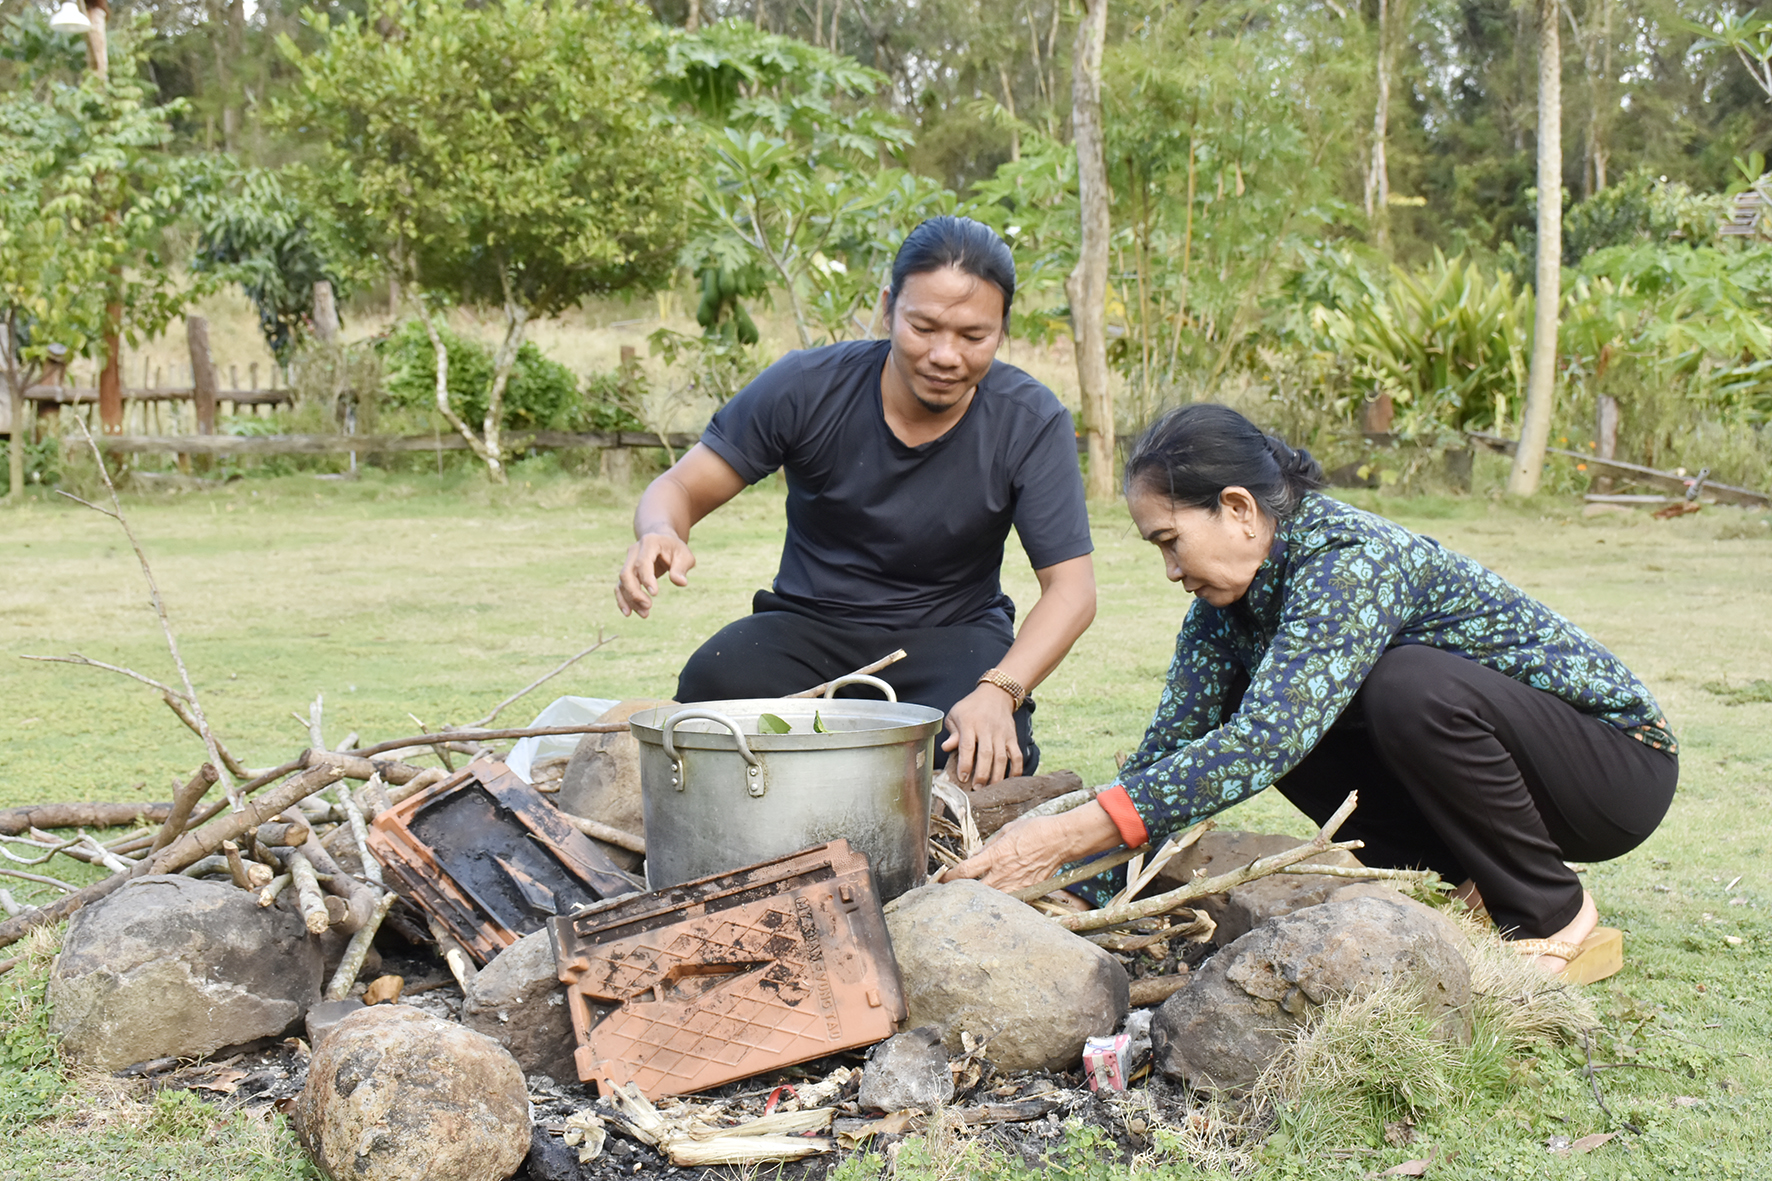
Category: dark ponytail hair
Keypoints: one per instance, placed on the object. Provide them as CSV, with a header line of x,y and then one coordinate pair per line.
x,y
971,247
1193,454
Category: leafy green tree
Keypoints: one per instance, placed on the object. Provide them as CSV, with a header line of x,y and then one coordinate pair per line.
x,y
792,184
254,231
87,190
511,155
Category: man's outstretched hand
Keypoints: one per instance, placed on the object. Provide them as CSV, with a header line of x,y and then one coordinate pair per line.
x,y
653,556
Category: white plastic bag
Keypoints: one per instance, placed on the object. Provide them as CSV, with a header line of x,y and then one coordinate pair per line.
x,y
565,711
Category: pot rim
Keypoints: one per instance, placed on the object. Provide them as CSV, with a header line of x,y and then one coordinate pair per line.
x,y
905,723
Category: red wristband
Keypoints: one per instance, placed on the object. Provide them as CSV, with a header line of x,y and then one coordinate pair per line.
x,y
1118,805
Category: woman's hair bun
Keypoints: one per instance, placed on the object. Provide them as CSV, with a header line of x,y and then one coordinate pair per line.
x,y
1299,468
1192,454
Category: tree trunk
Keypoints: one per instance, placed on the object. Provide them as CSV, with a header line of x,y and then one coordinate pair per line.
x,y
110,378
1541,382
1087,284
1009,106
495,468
98,54
693,21
1378,181
516,319
325,312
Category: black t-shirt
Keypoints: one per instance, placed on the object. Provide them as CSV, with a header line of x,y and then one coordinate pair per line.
x,y
885,535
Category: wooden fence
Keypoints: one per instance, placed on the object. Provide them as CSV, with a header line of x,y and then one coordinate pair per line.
x,y
513,442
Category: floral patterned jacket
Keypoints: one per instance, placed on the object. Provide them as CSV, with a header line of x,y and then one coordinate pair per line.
x,y
1339,587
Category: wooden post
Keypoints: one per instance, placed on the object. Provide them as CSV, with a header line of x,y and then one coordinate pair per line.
x,y
202,373
1606,438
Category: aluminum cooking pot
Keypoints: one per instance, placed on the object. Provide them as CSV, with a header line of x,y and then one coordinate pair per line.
x,y
719,795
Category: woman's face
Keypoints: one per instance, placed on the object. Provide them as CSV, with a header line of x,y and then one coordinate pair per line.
x,y
1213,555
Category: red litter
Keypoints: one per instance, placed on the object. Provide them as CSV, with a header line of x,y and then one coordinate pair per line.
x,y
1105,1061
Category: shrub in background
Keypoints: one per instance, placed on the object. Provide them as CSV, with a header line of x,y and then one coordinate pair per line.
x,y
541,395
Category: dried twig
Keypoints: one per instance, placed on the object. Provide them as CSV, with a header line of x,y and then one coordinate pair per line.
x,y
182,804
540,681
76,658
236,865
1082,873
1141,874
190,694
275,773
360,833
1113,916
358,949
444,737
39,879
12,906
308,899
316,718
607,833
78,815
276,886
183,714
1366,872
50,848
864,671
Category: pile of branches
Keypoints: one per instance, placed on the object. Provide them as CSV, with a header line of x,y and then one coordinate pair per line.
x,y
287,827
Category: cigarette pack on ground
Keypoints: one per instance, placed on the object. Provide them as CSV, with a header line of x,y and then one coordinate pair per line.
x,y
1105,1060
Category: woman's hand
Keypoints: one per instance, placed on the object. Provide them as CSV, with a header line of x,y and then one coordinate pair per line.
x,y
1030,850
981,741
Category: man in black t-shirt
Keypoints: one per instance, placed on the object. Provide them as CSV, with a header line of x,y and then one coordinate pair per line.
x,y
907,462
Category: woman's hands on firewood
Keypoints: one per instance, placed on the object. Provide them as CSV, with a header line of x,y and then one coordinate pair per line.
x,y
1032,849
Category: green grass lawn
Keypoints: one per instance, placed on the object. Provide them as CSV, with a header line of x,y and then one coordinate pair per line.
x,y
436,597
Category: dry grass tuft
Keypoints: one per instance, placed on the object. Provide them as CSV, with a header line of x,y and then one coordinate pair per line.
x,y
1379,1056
1209,1134
1511,996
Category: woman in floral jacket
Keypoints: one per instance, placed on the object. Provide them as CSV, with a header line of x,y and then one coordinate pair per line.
x,y
1329,650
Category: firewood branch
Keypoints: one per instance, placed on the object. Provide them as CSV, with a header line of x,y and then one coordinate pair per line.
x,y
540,681
1113,916
190,693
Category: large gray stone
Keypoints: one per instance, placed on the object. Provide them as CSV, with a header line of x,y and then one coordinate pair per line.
x,y
518,1001
907,1072
1240,910
396,1095
1221,1030
170,966
974,960
602,782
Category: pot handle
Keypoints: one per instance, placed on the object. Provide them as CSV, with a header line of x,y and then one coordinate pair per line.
x,y
861,679
754,768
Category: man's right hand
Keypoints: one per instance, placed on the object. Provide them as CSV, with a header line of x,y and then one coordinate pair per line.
x,y
654,555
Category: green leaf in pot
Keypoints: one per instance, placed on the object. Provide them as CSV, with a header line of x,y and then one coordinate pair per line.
x,y
770,724
818,726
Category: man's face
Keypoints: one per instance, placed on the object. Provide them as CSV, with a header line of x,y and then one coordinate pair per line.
x,y
946,326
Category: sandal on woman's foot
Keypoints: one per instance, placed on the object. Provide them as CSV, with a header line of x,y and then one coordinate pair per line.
x,y
1598,956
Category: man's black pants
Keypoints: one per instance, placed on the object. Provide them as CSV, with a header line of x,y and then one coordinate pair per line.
x,y
783,649
1470,773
